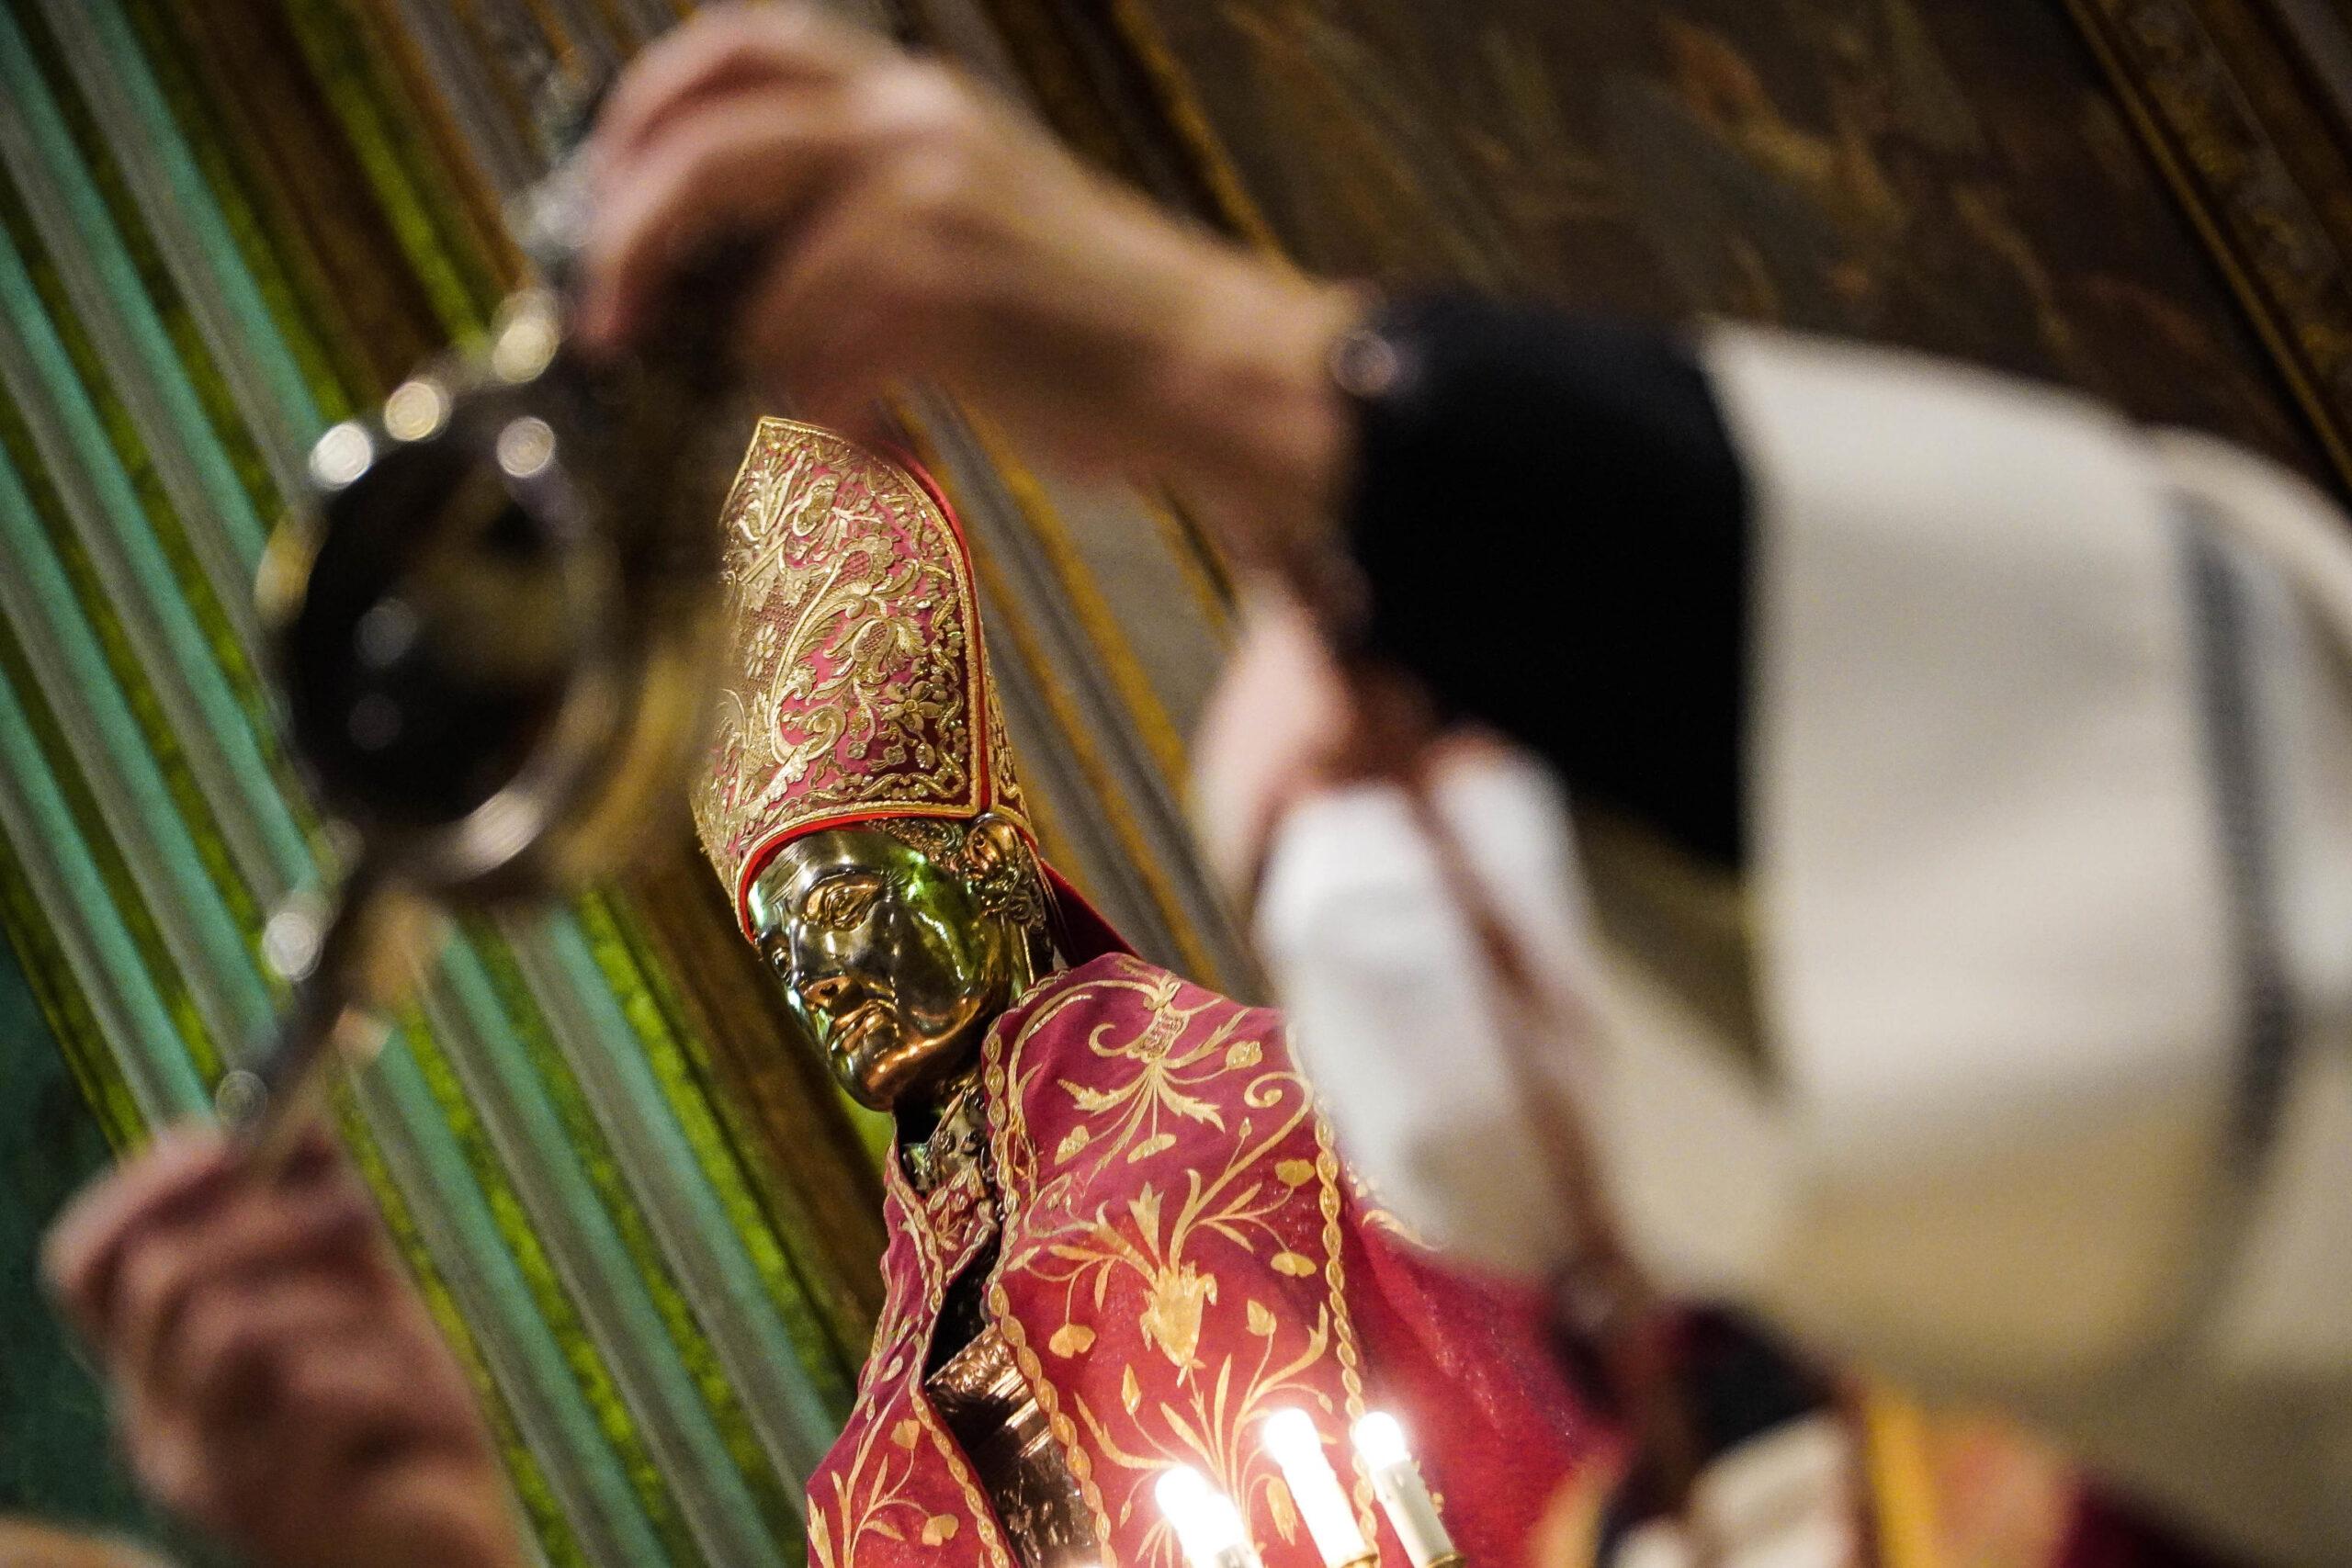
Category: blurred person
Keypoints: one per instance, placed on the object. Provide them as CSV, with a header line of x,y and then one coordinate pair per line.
x,y
1369,866
1964,775
277,1381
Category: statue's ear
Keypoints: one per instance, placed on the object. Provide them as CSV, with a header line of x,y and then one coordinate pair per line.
x,y
994,846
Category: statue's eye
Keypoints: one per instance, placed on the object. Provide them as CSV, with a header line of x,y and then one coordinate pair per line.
x,y
841,903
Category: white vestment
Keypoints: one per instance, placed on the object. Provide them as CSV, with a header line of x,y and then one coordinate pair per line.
x,y
2018,1063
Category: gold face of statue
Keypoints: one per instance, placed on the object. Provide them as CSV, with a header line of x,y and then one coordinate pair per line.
x,y
888,958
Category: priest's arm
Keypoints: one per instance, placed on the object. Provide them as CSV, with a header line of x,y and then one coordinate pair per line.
x,y
1965,789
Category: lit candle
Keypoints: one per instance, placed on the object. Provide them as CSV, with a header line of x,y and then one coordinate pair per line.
x,y
1208,1526
1290,1436
1397,1481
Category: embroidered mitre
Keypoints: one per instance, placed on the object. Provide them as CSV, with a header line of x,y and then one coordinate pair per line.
x,y
858,684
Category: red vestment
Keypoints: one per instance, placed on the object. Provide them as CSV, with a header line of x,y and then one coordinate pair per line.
x,y
1181,1254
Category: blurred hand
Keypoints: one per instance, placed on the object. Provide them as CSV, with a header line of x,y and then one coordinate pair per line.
x,y
1272,733
1287,721
914,227
276,1379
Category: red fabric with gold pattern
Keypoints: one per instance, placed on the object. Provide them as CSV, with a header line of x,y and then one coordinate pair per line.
x,y
895,1488
1182,1256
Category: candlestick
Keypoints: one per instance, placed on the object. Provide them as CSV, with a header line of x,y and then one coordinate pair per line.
x,y
1208,1526
1291,1437
1403,1498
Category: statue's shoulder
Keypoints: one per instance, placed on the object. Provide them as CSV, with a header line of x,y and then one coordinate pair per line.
x,y
1121,1010
1119,987
1118,1075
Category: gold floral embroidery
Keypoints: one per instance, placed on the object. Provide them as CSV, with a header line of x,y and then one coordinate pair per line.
x,y
867,1499
1214,1429
1160,1084
1171,1315
1167,1080
867,1493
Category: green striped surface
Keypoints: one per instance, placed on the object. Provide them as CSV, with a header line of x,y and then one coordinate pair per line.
x,y
225,224
222,224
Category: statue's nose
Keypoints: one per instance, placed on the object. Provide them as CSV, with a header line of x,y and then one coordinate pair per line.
x,y
822,991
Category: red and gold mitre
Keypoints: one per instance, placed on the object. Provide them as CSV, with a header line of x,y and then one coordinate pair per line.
x,y
858,686
857,682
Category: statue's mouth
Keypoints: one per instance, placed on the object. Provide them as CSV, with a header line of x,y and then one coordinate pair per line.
x,y
856,1029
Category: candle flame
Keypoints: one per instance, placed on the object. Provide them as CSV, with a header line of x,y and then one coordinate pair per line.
x,y
1381,1440
1291,1435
